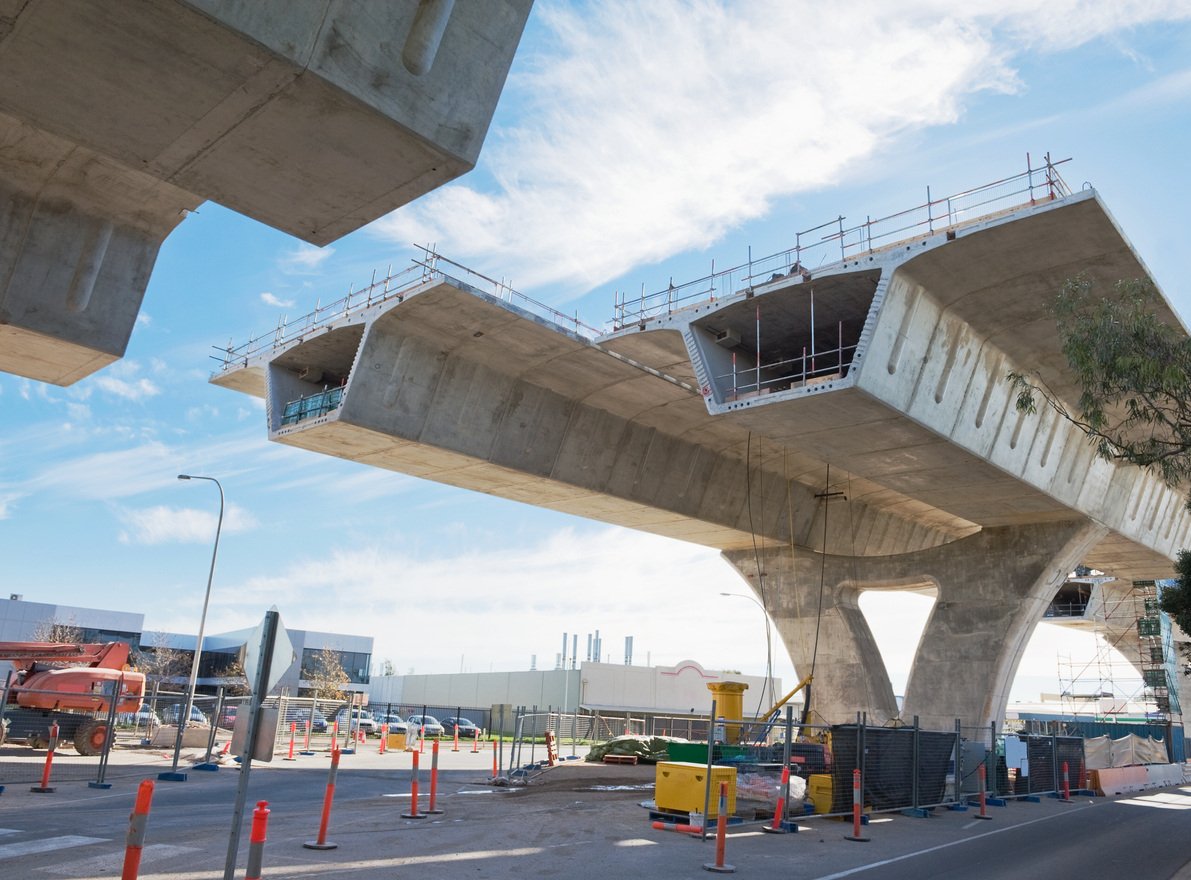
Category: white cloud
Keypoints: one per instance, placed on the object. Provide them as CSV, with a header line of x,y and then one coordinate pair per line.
x,y
276,302
78,412
123,379
164,525
143,319
304,259
652,129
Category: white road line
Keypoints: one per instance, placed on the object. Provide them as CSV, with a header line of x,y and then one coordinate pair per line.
x,y
111,863
46,844
931,849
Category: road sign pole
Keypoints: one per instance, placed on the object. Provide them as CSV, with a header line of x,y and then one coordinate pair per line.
x,y
268,637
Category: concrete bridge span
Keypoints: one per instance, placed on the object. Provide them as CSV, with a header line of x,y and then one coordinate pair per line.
x,y
831,431
118,119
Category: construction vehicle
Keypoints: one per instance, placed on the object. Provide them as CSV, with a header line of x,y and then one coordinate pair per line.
x,y
72,685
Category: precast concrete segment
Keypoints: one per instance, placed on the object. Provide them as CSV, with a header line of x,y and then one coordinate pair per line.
x,y
520,410
79,235
991,590
117,119
921,418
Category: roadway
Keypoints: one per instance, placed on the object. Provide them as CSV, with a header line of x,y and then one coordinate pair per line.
x,y
580,819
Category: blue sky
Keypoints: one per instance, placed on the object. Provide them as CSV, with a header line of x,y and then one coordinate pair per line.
x,y
633,143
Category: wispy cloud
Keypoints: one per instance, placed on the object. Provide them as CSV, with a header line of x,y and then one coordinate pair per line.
x,y
426,605
122,379
304,259
185,525
652,129
275,301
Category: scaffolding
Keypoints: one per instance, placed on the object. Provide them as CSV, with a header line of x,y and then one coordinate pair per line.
x,y
1133,672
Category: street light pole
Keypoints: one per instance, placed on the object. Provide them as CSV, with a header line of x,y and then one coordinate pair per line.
x,y
768,645
184,715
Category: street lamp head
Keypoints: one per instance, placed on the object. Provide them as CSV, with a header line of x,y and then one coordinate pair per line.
x,y
183,476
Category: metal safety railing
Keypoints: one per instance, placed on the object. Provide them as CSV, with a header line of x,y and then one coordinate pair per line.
x,y
832,242
432,267
312,406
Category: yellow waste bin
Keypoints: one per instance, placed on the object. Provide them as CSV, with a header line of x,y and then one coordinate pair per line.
x,y
680,787
819,790
396,741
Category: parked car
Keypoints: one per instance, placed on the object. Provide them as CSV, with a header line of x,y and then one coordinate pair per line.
x,y
467,730
143,717
396,722
317,723
170,714
227,717
359,718
427,725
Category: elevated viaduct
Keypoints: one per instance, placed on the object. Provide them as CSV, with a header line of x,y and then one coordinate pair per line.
x,y
830,431
118,119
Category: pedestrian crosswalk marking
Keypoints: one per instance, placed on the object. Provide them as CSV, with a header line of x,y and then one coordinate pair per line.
x,y
110,863
46,844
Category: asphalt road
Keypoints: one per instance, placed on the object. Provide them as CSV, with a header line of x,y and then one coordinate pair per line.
x,y
577,820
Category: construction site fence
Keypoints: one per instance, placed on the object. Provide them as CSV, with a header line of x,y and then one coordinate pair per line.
x,y
1172,736
1020,764
29,734
901,768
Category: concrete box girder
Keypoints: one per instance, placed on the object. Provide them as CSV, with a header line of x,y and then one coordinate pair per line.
x,y
117,119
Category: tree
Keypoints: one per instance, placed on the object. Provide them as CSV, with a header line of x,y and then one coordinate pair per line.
x,y
58,633
161,663
233,678
326,675
1132,367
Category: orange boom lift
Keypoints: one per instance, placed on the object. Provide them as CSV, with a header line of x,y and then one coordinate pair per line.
x,y
71,684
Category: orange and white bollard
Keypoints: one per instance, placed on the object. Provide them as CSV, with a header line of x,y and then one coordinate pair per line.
x,y
676,826
433,808
455,748
495,769
1066,785
413,793
45,787
256,843
475,743
321,842
384,736
306,740
721,835
421,738
857,808
983,794
293,731
138,822
778,826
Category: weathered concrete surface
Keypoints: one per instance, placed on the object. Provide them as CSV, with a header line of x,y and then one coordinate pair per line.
x,y
990,590
938,482
117,118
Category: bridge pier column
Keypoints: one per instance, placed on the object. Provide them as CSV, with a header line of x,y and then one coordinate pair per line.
x,y
992,589
850,676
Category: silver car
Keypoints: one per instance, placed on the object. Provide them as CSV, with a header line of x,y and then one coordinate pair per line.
x,y
427,725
